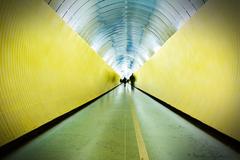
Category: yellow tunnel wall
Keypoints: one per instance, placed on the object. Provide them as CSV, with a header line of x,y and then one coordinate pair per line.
x,y
46,69
198,69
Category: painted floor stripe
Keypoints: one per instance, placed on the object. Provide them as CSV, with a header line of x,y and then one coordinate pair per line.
x,y
141,146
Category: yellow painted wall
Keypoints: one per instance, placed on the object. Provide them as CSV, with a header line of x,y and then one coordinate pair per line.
x,y
198,68
46,69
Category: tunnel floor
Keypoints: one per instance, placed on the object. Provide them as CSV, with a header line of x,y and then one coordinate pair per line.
x,y
124,124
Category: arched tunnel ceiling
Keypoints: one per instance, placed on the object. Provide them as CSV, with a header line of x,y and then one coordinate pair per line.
x,y
125,32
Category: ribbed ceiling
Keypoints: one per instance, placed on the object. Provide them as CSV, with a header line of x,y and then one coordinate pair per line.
x,y
125,32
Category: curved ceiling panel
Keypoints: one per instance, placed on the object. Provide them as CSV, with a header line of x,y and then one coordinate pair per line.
x,y
125,32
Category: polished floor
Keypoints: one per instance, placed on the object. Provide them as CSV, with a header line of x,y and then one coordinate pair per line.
x,y
124,124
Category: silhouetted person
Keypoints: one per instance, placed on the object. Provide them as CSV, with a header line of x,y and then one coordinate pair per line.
x,y
132,80
124,81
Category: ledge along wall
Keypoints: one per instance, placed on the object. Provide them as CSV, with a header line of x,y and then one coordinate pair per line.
x,y
46,69
198,69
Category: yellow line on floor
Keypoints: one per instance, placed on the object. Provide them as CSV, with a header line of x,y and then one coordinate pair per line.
x,y
141,146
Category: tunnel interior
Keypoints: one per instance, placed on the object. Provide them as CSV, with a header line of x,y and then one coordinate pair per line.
x,y
125,33
119,79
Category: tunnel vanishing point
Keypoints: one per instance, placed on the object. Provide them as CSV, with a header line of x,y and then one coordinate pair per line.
x,y
64,70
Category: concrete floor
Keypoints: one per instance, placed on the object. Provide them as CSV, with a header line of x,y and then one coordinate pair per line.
x,y
124,124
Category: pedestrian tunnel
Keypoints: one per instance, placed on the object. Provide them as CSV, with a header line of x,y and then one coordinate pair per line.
x,y
61,62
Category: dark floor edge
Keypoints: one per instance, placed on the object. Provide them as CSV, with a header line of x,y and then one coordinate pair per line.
x,y
19,142
227,140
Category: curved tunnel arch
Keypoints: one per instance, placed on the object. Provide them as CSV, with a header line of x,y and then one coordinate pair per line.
x,y
131,29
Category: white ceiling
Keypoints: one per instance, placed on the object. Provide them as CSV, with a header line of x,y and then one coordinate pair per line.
x,y
125,32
